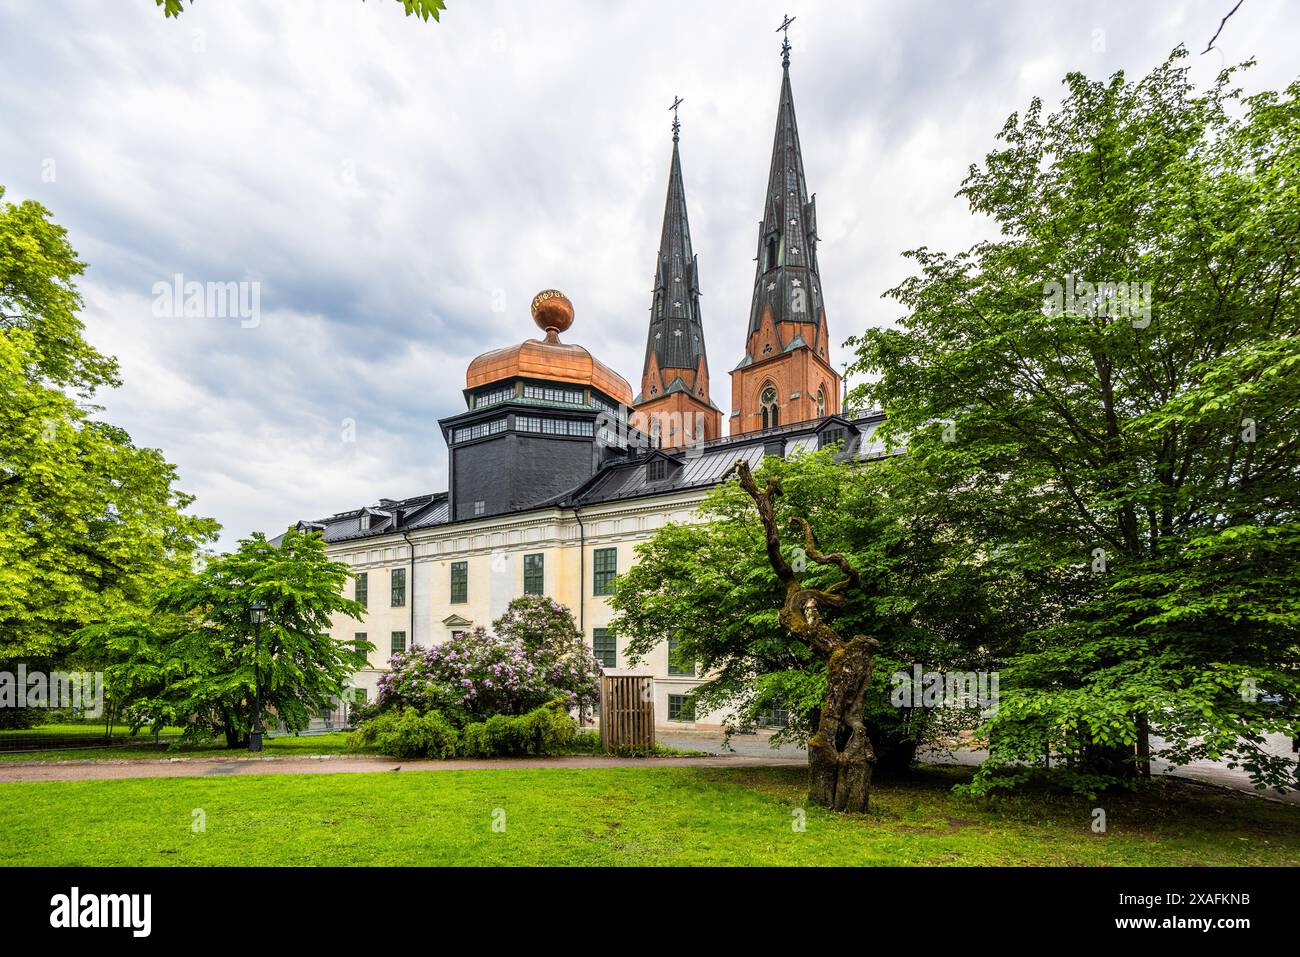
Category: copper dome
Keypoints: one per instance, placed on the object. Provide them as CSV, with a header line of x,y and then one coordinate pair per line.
x,y
549,359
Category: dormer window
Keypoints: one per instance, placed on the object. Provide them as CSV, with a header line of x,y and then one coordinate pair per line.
x,y
365,521
656,470
771,252
831,436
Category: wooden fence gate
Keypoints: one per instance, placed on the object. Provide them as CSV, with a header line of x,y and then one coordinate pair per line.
x,y
627,712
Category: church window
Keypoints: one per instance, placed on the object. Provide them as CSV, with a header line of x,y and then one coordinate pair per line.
x,y
771,252
769,410
821,402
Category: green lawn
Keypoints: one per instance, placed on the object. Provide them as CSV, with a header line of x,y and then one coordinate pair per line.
x,y
143,748
619,816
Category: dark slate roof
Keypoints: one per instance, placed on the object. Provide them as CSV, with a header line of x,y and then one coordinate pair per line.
x,y
703,468
626,478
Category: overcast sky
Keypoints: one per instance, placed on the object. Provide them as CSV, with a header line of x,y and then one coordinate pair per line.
x,y
401,190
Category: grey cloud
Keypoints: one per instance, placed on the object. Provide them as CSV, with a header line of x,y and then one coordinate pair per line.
x,y
384,179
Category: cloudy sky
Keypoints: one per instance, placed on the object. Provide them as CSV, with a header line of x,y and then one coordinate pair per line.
x,y
400,190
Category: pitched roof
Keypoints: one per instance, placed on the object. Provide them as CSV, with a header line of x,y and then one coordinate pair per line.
x,y
698,468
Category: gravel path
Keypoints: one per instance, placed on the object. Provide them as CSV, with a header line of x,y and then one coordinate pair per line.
x,y
751,750
350,764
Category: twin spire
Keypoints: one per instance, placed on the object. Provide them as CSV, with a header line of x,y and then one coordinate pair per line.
x,y
786,286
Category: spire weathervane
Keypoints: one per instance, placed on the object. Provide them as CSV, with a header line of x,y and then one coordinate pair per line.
x,y
677,126
785,43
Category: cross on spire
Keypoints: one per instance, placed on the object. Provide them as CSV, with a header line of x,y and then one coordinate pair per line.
x,y
677,126
785,43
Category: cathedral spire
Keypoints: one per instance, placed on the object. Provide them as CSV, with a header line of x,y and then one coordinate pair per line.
x,y
787,250
785,375
675,362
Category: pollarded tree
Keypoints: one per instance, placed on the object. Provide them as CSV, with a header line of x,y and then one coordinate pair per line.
x,y
924,589
840,756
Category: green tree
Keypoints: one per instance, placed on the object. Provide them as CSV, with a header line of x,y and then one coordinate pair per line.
x,y
89,523
922,592
193,662
1133,446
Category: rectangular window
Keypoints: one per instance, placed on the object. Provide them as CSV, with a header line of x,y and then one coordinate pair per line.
x,y
604,648
547,394
459,582
604,570
479,431
361,590
681,707
656,470
493,397
528,423
534,574
399,641
676,667
398,587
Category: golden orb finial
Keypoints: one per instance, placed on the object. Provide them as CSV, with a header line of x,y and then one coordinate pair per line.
x,y
552,312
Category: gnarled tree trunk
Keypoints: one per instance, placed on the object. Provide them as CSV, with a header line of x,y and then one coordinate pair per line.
x,y
840,756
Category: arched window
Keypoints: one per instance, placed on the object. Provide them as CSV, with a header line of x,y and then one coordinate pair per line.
x,y
654,432
821,401
768,402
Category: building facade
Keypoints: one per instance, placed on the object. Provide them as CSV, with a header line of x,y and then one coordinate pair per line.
x,y
556,472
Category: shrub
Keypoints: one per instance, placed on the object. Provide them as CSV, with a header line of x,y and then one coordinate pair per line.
x,y
545,730
407,734
585,742
535,656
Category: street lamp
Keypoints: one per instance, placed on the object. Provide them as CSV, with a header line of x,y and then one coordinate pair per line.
x,y
257,615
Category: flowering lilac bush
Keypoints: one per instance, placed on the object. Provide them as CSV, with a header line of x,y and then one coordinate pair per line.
x,y
534,655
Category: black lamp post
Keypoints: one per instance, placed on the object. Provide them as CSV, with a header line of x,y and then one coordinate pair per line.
x,y
256,615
